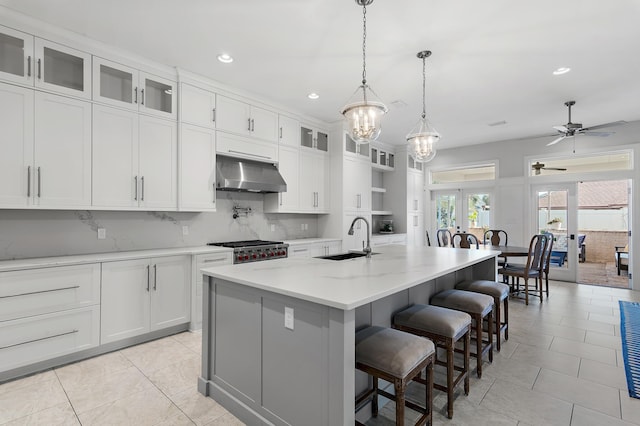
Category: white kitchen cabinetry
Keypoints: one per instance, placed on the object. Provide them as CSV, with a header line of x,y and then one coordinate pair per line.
x,y
139,296
198,262
240,146
356,150
16,161
313,182
357,185
48,312
197,106
244,119
314,138
378,240
33,61
125,87
289,201
197,171
62,152
134,160
46,160
415,191
315,249
289,131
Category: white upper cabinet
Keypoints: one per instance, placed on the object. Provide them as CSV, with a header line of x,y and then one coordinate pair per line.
x,y
289,168
356,150
62,152
357,185
16,52
244,119
16,161
289,131
197,170
311,137
30,60
314,177
119,85
135,160
197,106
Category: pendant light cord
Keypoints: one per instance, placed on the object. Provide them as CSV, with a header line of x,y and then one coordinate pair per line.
x,y
424,87
364,44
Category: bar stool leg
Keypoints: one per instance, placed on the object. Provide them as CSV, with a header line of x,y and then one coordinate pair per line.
x,y
374,401
477,318
498,325
399,387
450,377
506,318
467,361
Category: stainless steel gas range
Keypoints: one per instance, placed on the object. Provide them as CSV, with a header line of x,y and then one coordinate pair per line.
x,y
255,250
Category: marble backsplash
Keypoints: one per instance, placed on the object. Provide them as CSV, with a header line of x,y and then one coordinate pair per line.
x,y
42,233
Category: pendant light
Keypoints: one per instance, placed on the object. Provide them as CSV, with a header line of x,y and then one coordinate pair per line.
x,y
423,136
364,111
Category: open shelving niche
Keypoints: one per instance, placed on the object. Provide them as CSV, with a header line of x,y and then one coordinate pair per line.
x,y
381,208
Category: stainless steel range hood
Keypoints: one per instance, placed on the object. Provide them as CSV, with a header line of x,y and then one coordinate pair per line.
x,y
237,174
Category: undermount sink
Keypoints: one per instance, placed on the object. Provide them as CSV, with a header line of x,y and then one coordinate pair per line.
x,y
344,256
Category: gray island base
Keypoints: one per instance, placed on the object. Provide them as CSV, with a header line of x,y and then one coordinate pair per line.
x,y
278,336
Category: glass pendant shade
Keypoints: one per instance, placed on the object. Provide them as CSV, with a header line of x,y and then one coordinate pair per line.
x,y
421,141
363,116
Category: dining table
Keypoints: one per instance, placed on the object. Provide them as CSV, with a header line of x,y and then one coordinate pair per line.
x,y
508,251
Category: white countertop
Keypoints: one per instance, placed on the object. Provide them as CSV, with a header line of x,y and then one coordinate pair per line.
x,y
348,284
311,241
43,262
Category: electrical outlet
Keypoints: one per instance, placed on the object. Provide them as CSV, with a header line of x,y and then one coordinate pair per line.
x,y
306,226
102,233
185,229
302,226
288,318
273,227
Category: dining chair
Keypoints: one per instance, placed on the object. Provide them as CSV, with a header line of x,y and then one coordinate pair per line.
x,y
464,240
428,239
496,237
444,237
533,268
547,262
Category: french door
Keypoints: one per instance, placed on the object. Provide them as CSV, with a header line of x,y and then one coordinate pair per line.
x,y
555,213
466,210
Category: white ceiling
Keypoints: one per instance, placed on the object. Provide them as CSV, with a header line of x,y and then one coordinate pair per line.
x,y
492,60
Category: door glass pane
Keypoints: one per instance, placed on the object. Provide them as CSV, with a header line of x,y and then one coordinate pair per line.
x,y
383,158
552,219
363,149
306,138
446,211
391,160
412,163
11,55
63,69
116,84
157,95
323,141
374,155
479,207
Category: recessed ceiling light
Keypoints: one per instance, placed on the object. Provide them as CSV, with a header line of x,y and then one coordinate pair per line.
x,y
561,70
225,58
313,95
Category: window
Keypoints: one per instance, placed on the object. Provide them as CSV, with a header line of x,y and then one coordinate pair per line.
x,y
464,174
592,163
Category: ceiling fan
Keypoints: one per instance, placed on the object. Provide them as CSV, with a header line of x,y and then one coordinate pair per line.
x,y
537,166
573,129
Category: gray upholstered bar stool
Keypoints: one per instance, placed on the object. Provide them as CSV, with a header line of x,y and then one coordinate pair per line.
x,y
445,327
397,357
500,294
479,306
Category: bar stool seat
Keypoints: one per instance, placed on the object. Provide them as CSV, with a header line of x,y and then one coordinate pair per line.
x,y
479,306
445,327
398,358
500,294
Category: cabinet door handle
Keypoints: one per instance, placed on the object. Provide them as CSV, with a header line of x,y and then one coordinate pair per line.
x,y
213,115
39,69
148,277
155,277
280,198
29,66
135,98
214,193
135,196
39,339
248,124
39,181
40,291
142,96
142,189
28,181
248,153
253,125
280,133
359,201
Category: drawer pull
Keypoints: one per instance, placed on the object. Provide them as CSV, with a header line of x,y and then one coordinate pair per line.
x,y
41,291
220,259
37,340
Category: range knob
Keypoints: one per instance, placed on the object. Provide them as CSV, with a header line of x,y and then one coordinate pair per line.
x,y
263,255
246,257
240,258
270,254
255,256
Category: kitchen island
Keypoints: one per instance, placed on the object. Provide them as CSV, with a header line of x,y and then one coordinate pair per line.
x,y
278,336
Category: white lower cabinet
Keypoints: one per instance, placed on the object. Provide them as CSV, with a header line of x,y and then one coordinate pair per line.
x,y
203,261
48,312
323,248
139,296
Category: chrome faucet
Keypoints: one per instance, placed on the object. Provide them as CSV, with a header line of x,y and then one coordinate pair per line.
x,y
367,249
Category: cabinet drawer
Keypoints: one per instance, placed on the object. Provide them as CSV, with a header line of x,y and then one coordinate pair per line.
x,y
39,291
28,340
237,146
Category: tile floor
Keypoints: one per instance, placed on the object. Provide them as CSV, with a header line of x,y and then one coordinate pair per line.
x,y
562,365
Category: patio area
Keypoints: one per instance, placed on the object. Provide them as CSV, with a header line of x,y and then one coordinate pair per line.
x,y
602,274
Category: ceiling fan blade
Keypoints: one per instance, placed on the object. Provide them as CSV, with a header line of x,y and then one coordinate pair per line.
x,y
600,134
555,168
602,126
562,129
556,140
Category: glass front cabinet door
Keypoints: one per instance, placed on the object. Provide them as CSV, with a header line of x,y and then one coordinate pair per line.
x,y
16,56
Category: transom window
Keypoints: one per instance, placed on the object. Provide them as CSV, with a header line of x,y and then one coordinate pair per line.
x,y
464,174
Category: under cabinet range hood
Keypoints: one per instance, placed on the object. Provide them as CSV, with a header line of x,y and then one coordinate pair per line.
x,y
237,174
